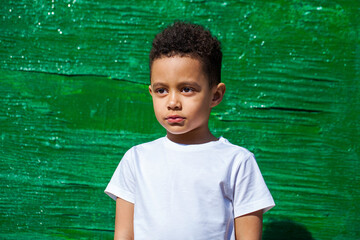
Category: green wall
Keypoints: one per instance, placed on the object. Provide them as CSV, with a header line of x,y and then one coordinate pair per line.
x,y
74,98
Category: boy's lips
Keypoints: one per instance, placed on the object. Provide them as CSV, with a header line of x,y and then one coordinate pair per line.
x,y
174,119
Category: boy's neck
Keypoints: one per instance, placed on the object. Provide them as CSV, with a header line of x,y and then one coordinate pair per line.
x,y
192,137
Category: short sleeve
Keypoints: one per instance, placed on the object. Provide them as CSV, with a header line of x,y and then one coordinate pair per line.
x,y
122,183
250,191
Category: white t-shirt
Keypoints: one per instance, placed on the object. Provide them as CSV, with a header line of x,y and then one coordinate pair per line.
x,y
189,191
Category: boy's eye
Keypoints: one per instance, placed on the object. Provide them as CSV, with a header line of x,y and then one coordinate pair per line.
x,y
187,89
161,90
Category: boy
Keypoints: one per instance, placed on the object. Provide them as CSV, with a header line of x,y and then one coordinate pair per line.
x,y
188,184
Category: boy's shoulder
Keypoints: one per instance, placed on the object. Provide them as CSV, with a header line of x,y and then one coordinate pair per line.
x,y
234,149
228,144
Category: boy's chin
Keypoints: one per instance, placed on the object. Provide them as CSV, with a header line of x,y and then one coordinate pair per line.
x,y
174,132
178,131
175,129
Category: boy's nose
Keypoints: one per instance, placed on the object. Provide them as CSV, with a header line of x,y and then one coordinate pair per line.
x,y
174,102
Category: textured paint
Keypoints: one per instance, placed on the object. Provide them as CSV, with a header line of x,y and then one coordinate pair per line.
x,y
74,98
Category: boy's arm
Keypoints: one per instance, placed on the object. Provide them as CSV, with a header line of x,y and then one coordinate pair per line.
x,y
249,226
124,220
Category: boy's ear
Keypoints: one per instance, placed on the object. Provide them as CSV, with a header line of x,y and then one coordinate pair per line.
x,y
150,90
218,94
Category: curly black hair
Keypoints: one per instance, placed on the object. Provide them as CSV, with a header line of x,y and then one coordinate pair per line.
x,y
188,39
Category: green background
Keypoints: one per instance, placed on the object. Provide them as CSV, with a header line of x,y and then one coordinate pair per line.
x,y
73,98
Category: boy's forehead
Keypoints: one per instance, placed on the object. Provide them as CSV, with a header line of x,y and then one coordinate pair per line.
x,y
186,66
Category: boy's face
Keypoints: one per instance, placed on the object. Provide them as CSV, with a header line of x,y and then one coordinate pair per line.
x,y
182,97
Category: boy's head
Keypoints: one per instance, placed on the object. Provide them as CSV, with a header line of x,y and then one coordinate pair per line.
x,y
190,40
185,64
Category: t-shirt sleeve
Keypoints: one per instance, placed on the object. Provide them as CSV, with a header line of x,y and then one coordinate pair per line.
x,y
122,183
250,191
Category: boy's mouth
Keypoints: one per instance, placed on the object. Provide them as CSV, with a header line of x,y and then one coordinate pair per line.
x,y
174,119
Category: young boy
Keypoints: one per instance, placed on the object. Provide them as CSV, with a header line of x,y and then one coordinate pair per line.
x,y
188,184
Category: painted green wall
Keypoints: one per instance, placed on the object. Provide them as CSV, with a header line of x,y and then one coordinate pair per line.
x,y
74,98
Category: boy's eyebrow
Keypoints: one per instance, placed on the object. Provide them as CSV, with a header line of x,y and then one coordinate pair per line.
x,y
158,84
185,83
